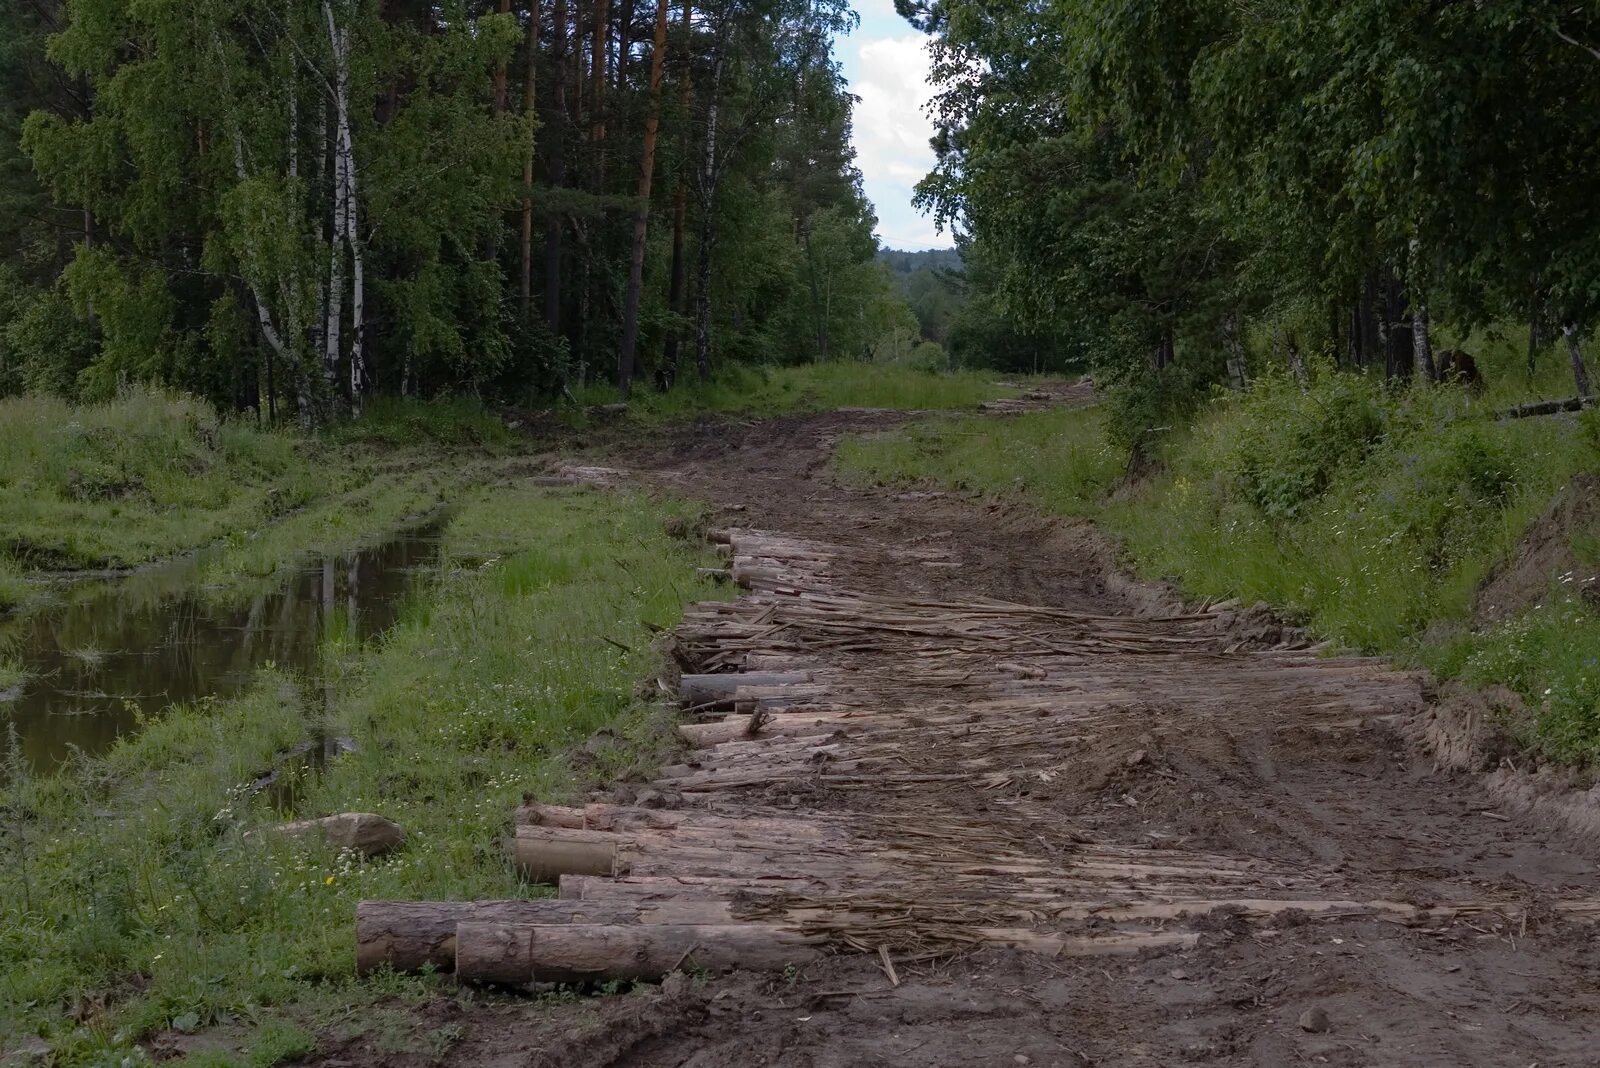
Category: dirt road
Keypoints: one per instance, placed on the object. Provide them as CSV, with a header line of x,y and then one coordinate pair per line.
x,y
1066,819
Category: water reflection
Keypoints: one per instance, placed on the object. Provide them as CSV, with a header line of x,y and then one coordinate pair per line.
x,y
117,649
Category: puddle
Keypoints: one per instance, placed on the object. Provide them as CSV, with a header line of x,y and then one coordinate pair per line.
x,y
118,650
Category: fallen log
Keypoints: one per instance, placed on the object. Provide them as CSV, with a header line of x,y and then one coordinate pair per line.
x,y
544,854
1549,407
657,887
626,818
411,935
512,953
700,690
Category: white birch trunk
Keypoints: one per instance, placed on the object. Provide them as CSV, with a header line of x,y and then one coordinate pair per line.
x,y
332,347
346,225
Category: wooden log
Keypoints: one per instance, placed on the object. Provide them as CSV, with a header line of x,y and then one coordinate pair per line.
x,y
411,935
511,953
625,818
656,887
1552,407
544,854
699,690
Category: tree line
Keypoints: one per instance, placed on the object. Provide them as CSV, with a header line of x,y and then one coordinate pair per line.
x,y
291,205
1347,177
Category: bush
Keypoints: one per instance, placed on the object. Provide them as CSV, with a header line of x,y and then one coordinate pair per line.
x,y
1285,445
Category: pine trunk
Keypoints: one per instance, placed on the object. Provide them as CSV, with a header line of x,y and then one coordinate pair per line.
x,y
680,201
710,178
558,166
525,247
1580,373
641,215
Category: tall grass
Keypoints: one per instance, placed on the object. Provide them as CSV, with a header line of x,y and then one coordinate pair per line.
x,y
810,387
146,885
1059,461
136,478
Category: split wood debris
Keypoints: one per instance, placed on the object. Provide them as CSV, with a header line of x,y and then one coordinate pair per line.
x,y
858,777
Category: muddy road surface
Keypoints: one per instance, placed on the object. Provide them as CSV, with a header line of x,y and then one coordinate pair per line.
x,y
1031,812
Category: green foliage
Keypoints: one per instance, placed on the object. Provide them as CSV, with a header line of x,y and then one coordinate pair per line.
x,y
149,874
404,421
813,387
1290,444
137,477
1059,461
1551,657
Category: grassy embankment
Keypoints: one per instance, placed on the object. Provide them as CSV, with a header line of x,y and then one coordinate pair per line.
x,y
140,893
1372,517
152,475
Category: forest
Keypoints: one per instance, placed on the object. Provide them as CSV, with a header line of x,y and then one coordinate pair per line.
x,y
289,208
1149,188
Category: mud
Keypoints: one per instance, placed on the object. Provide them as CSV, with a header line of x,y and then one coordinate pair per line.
x,y
1201,763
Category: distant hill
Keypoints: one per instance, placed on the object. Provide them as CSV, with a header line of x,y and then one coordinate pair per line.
x,y
931,283
937,259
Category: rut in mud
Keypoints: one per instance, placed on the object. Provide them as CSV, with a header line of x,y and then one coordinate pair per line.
x,y
1064,819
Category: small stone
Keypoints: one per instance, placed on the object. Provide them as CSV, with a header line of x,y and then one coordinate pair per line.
x,y
1315,1020
367,833
1021,1058
1178,973
1136,758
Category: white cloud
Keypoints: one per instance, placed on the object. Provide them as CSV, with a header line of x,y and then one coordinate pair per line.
x,y
891,134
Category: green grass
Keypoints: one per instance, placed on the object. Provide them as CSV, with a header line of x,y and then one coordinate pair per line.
x,y
137,478
742,389
1059,461
1370,516
12,675
141,884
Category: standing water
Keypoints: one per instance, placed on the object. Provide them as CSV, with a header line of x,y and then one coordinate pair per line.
x,y
116,651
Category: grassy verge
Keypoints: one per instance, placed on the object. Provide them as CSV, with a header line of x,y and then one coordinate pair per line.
x,y
152,475
1372,517
811,387
141,895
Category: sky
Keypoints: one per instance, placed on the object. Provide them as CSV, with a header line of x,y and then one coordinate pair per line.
x,y
886,64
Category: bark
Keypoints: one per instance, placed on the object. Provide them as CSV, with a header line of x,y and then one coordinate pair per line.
x,y
680,201
545,858
816,296
1534,344
333,322
500,71
1421,346
698,690
1553,407
1580,373
597,85
1238,375
710,175
571,953
525,278
558,168
1395,330
347,221
641,214
409,936
1297,364
619,73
